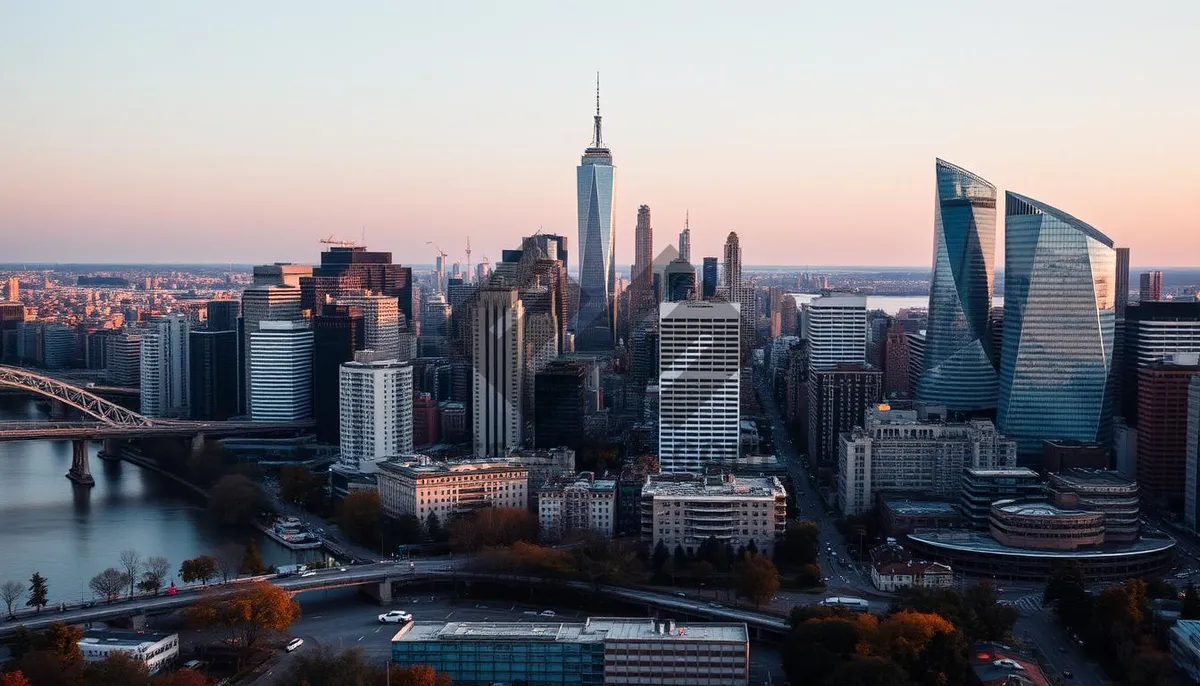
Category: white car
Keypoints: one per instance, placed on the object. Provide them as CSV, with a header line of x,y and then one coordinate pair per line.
x,y
395,617
294,644
547,613
309,573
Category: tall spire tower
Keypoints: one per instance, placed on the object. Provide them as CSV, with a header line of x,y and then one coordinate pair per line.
x,y
685,239
595,179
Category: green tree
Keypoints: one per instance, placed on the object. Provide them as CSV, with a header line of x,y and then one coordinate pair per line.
x,y
235,500
868,671
252,560
757,579
361,517
434,529
1191,603
658,561
1067,594
202,569
38,591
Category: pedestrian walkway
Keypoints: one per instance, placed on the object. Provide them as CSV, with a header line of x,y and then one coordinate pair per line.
x,y
1028,603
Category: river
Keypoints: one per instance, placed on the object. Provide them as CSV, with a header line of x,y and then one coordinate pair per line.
x,y
68,533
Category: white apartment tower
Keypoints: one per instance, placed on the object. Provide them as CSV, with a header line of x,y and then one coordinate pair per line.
x,y
166,388
699,384
264,303
375,415
835,326
498,355
280,361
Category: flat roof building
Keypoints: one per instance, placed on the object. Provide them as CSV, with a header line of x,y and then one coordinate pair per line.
x,y
577,502
686,510
154,649
982,487
418,485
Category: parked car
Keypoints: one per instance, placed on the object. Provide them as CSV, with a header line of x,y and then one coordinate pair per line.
x,y
294,644
395,617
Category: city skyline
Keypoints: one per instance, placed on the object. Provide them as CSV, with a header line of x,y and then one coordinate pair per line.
x,y
131,150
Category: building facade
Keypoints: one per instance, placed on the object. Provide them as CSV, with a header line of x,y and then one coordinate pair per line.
x,y
560,404
959,370
498,371
837,399
153,649
277,302
337,335
568,503
595,185
1162,428
417,485
1038,525
835,326
375,412
214,374
982,487
1100,490
281,371
165,367
686,510
1150,287
1059,313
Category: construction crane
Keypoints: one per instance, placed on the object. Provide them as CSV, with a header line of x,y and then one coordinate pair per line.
x,y
330,240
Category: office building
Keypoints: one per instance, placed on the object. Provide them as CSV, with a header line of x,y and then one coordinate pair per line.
x,y
685,510
616,651
1153,332
699,384
1059,311
982,487
281,383
1039,525
352,269
560,397
837,399
58,346
214,374
708,287
732,275
455,422
381,322
543,464
222,315
835,326
14,290
498,372
1150,287
1122,282
435,327
1191,494
281,274
376,411
272,302
154,650
685,242
165,367
1100,490
417,485
123,363
553,246
1184,640
426,419
1162,430
568,503
12,316
338,333
958,365
541,348
595,321
680,281
737,291
896,362
894,451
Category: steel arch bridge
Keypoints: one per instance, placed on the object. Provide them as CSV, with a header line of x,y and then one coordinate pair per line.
x,y
104,411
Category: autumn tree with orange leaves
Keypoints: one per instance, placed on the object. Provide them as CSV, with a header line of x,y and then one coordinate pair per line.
x,y
247,615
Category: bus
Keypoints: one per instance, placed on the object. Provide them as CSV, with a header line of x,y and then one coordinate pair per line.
x,y
852,604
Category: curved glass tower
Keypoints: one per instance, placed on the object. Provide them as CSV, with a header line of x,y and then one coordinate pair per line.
x,y
597,268
1059,310
959,371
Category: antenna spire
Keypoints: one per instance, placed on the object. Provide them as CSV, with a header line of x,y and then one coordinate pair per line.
x,y
597,140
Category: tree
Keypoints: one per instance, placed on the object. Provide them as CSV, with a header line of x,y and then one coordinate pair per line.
x,y
131,563
1067,594
801,545
62,641
360,517
925,645
868,671
116,668
350,668
183,677
757,579
154,574
658,561
818,644
493,527
416,675
258,609
407,529
199,569
1191,603
37,592
298,485
43,668
10,593
14,679
434,529
252,560
229,560
235,500
109,584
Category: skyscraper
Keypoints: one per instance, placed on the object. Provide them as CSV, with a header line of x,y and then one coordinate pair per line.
x,y
1162,429
381,322
281,371
680,281
958,371
499,371
165,367
337,335
222,315
1059,310
214,373
699,384
709,286
597,276
835,326
685,241
895,362
346,269
732,278
1151,287
1122,282
1152,332
123,365
376,412
742,294
14,289
641,291
259,304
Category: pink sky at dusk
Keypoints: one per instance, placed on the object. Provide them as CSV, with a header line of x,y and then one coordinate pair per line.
x,y
231,133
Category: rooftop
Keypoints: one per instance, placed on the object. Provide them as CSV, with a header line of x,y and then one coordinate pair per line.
x,y
1083,477
596,629
123,639
979,542
421,465
715,486
904,506
1000,473
994,664
1037,508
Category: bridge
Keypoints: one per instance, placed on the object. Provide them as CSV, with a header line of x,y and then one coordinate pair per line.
x,y
112,421
381,579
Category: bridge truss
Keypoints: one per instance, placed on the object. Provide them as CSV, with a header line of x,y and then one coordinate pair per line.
x,y
98,408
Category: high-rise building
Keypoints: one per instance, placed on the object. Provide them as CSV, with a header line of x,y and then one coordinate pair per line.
x,y
1191,492
958,367
376,412
896,362
553,245
732,277
58,346
426,420
165,368
273,302
835,326
1122,282
499,371
435,327
381,322
1150,287
1152,332
680,281
350,269
1162,430
642,301
685,242
281,274
560,397
214,373
12,315
222,315
916,357
709,286
837,401
337,334
741,293
699,384
281,371
1059,311
14,289
123,359
597,246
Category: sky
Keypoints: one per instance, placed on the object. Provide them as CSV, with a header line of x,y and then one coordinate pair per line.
x,y
245,131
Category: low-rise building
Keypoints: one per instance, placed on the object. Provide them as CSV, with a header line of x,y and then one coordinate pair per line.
x,y
893,567
417,485
1101,490
902,515
577,502
687,509
543,464
999,665
154,649
602,650
1039,525
1185,647
982,487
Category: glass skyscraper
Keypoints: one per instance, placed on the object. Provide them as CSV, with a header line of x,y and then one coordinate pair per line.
x,y
959,369
597,275
1059,311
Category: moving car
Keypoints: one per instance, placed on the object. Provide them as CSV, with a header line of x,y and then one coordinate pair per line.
x,y
547,613
294,644
308,573
395,617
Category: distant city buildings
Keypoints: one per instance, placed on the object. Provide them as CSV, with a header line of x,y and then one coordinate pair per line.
x,y
1150,287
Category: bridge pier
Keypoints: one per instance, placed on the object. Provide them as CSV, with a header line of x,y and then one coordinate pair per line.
x,y
197,445
381,592
81,468
58,411
111,450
